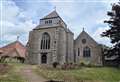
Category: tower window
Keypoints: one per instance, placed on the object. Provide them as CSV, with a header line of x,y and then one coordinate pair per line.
x,y
48,22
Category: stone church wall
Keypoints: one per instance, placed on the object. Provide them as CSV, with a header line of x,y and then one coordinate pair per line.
x,y
62,45
33,48
69,42
94,48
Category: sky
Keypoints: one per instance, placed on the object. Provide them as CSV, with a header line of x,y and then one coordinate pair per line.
x,y
19,17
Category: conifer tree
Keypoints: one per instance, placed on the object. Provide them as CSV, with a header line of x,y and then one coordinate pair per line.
x,y
114,32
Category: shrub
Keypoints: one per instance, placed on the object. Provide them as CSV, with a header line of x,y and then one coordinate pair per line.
x,y
55,64
82,64
64,66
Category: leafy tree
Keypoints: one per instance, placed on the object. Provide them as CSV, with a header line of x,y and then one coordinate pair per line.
x,y
114,32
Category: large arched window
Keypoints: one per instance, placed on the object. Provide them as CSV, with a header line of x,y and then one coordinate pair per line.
x,y
45,42
86,52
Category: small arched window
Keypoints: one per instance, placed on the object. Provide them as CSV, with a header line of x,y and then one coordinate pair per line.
x,y
86,52
45,42
78,51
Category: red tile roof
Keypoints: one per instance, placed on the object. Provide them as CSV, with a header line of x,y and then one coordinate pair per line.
x,y
15,47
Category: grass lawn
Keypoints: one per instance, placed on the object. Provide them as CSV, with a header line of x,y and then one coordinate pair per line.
x,y
12,74
84,74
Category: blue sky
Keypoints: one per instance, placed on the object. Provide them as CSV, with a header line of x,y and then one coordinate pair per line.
x,y
18,17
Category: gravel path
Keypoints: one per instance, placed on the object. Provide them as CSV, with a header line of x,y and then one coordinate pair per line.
x,y
30,76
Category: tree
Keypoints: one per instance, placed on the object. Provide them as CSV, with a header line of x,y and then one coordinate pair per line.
x,y
114,32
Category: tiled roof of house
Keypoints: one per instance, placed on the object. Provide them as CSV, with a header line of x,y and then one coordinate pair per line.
x,y
15,47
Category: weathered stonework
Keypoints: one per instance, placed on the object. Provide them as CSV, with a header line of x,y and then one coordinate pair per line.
x,y
95,48
63,47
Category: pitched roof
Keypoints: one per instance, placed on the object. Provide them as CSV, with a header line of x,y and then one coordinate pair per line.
x,y
51,15
86,34
15,47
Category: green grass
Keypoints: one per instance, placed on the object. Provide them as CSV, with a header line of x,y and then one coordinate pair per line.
x,y
12,74
94,74
84,74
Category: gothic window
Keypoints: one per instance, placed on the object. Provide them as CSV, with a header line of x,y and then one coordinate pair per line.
x,y
74,56
78,51
45,42
86,52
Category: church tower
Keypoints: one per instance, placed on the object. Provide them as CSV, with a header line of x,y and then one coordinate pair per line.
x,y
51,41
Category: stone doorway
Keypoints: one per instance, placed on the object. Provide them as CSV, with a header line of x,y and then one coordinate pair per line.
x,y
44,58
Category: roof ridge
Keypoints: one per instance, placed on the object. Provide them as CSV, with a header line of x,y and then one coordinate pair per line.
x,y
9,44
51,14
86,34
13,43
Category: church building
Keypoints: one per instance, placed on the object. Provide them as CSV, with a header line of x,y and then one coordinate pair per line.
x,y
52,41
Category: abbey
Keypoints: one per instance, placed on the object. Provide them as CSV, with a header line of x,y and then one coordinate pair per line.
x,y
51,41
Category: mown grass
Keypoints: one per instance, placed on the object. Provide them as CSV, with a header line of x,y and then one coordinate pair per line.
x,y
84,74
12,74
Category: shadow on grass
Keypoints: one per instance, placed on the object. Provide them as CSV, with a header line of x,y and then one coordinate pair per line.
x,y
54,81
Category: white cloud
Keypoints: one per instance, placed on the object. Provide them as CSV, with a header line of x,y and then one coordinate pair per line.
x,y
9,11
97,36
67,8
87,14
14,22
18,17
